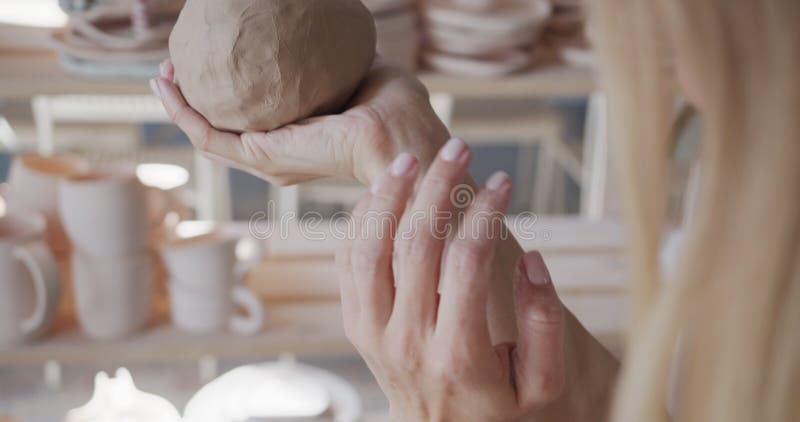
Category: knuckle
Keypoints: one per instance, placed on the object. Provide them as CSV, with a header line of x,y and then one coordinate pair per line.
x,y
438,184
543,388
543,313
469,256
447,373
420,247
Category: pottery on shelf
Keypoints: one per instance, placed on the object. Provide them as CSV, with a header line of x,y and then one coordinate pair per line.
x,y
105,212
118,399
33,185
30,285
112,295
487,67
507,17
211,309
205,287
282,390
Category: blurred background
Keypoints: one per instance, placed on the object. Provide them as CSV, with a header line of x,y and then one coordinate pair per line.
x,y
514,78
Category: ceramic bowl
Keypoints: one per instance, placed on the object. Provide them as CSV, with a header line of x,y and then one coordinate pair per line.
x,y
500,65
508,17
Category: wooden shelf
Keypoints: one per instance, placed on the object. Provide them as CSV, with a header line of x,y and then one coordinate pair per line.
x,y
305,329
557,81
308,327
25,75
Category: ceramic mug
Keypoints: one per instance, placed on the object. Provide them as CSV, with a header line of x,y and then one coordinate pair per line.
x,y
208,259
204,285
105,212
209,309
25,258
112,295
33,185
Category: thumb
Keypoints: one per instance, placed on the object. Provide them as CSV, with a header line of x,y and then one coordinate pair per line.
x,y
312,148
538,359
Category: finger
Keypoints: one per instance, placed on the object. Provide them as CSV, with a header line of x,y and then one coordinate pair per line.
x,y
167,70
425,229
467,266
223,146
347,287
347,293
372,251
539,356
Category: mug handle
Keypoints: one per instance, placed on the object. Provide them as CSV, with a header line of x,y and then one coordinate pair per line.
x,y
252,323
47,282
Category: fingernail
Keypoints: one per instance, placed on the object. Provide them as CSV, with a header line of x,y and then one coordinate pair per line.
x,y
536,270
376,185
453,150
402,165
163,68
154,87
498,181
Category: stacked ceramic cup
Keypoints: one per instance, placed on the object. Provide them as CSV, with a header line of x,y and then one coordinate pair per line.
x,y
204,289
33,185
482,38
105,215
398,32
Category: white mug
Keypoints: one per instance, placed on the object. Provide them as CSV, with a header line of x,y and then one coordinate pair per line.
x,y
33,185
209,309
25,258
208,259
204,285
105,213
112,295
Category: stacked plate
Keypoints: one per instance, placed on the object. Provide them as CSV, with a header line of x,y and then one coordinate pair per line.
x,y
482,38
564,36
398,32
102,41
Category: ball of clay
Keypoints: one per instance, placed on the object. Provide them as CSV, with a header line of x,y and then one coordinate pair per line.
x,y
256,65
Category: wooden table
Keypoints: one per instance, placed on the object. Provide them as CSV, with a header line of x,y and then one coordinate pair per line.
x,y
25,75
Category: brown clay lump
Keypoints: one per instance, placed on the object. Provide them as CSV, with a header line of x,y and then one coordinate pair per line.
x,y
256,65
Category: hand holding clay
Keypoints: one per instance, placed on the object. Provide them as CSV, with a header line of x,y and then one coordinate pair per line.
x,y
390,113
256,65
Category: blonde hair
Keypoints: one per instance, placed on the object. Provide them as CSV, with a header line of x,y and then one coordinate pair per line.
x,y
734,303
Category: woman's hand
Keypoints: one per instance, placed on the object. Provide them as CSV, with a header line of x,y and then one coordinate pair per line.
x,y
431,352
389,114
